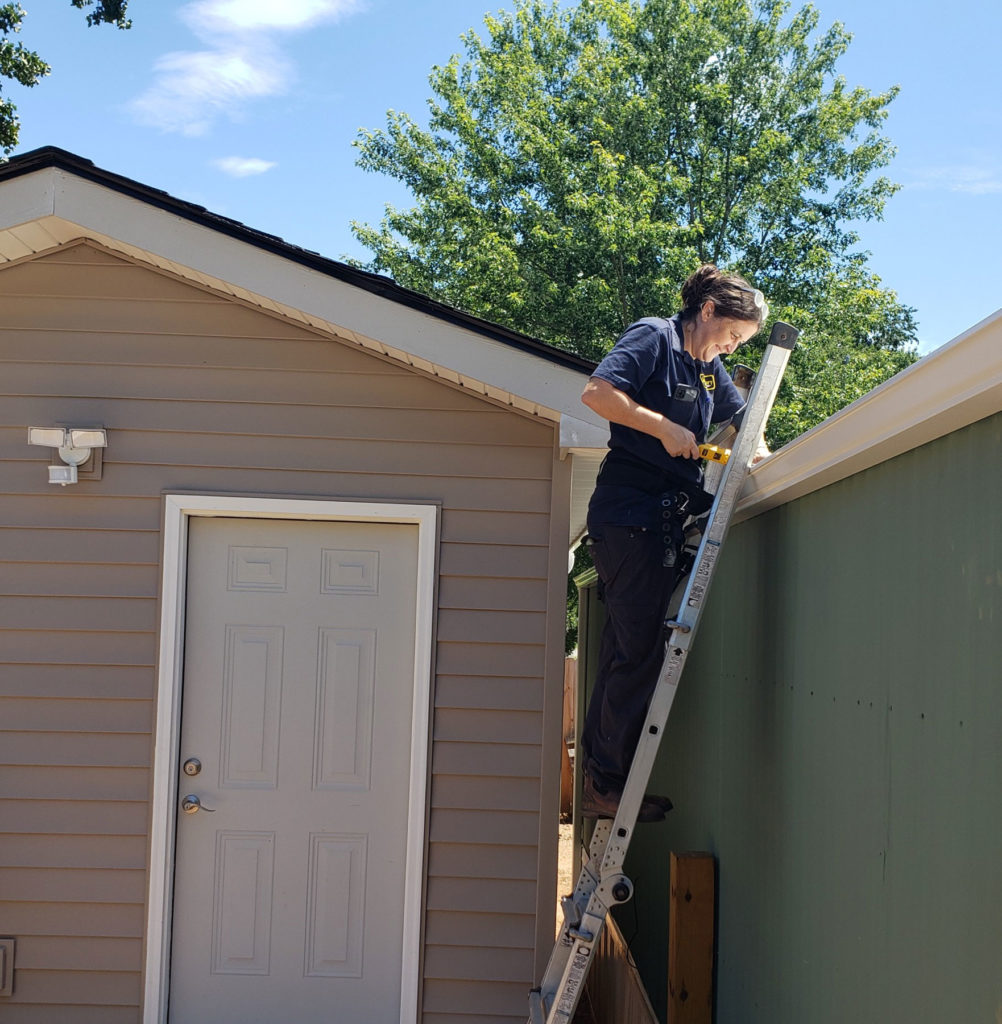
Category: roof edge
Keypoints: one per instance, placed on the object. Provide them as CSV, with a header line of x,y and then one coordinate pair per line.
x,y
952,387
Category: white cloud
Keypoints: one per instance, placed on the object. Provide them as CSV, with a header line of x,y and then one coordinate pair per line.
x,y
228,16
979,186
192,88
243,166
973,179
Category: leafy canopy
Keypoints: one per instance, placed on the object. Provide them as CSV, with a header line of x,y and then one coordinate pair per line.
x,y
19,64
581,161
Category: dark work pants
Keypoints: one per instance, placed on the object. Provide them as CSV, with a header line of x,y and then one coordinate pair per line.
x,y
637,589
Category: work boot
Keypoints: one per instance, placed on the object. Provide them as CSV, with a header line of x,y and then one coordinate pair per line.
x,y
598,804
663,802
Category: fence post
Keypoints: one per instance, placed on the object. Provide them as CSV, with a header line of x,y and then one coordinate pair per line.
x,y
691,938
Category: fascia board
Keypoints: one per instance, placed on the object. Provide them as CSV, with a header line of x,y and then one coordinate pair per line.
x,y
27,198
118,220
958,384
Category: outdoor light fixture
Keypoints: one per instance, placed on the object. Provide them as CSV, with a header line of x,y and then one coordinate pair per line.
x,y
76,445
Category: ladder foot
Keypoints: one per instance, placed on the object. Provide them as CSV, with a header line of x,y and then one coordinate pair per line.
x,y
537,1015
572,912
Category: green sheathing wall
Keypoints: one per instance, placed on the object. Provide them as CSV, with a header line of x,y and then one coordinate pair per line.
x,y
837,744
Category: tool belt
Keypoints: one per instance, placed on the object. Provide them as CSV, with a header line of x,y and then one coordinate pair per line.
x,y
679,499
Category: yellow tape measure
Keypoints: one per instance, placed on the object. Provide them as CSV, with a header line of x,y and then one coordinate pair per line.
x,y
712,453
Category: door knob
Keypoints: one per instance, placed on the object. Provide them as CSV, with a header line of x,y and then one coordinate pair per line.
x,y
191,805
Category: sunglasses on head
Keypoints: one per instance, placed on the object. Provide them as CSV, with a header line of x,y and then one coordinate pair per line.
x,y
758,299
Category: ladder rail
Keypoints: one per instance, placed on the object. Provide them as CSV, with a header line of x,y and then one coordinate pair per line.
x,y
601,883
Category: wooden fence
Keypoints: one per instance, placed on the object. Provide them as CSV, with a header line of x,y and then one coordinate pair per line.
x,y
614,993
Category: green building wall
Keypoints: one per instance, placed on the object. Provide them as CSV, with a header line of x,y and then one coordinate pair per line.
x,y
836,743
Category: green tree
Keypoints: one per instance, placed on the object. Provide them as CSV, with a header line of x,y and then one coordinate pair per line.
x,y
19,64
580,161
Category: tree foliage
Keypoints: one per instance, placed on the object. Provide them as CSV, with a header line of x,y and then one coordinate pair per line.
x,y
580,161
824,376
19,64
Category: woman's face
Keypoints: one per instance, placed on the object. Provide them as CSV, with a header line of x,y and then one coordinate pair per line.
x,y
718,335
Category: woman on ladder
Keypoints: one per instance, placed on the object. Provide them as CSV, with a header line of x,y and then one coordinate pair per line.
x,y
660,387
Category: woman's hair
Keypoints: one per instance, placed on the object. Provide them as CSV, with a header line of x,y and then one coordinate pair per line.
x,y
732,295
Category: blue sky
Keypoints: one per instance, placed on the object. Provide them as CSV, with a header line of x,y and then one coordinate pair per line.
x,y
249,108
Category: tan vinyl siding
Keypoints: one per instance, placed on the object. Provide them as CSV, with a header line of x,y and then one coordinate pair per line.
x,y
471,999
481,931
470,860
108,716
488,692
468,759
80,851
94,681
41,1013
202,393
500,964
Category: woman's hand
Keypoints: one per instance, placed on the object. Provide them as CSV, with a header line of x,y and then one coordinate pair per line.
x,y
678,441
761,452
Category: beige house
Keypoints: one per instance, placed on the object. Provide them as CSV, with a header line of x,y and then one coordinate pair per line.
x,y
280,674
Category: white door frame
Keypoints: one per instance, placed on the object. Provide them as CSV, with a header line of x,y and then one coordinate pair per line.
x,y
178,510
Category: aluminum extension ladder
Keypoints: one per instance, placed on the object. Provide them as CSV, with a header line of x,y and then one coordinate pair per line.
x,y
602,884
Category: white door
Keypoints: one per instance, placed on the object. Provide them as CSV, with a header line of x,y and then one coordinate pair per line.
x,y
295,731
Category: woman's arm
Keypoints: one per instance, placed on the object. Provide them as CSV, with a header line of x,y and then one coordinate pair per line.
x,y
616,406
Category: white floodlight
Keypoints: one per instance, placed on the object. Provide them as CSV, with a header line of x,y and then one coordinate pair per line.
x,y
89,437
51,437
75,445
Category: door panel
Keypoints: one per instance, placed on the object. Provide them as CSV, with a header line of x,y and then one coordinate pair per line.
x,y
252,706
297,704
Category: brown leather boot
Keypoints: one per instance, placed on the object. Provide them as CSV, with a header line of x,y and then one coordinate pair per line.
x,y
596,804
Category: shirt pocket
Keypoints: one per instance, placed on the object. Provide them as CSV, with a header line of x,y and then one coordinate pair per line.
x,y
685,414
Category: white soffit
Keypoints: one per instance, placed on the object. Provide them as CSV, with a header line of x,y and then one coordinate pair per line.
x,y
946,390
50,207
585,464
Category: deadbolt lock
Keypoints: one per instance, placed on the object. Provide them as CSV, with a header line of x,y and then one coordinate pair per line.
x,y
192,766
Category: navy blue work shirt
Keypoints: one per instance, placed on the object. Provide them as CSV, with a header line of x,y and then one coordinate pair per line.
x,y
649,363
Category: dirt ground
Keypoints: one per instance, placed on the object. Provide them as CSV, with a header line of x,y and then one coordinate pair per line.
x,y
566,871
